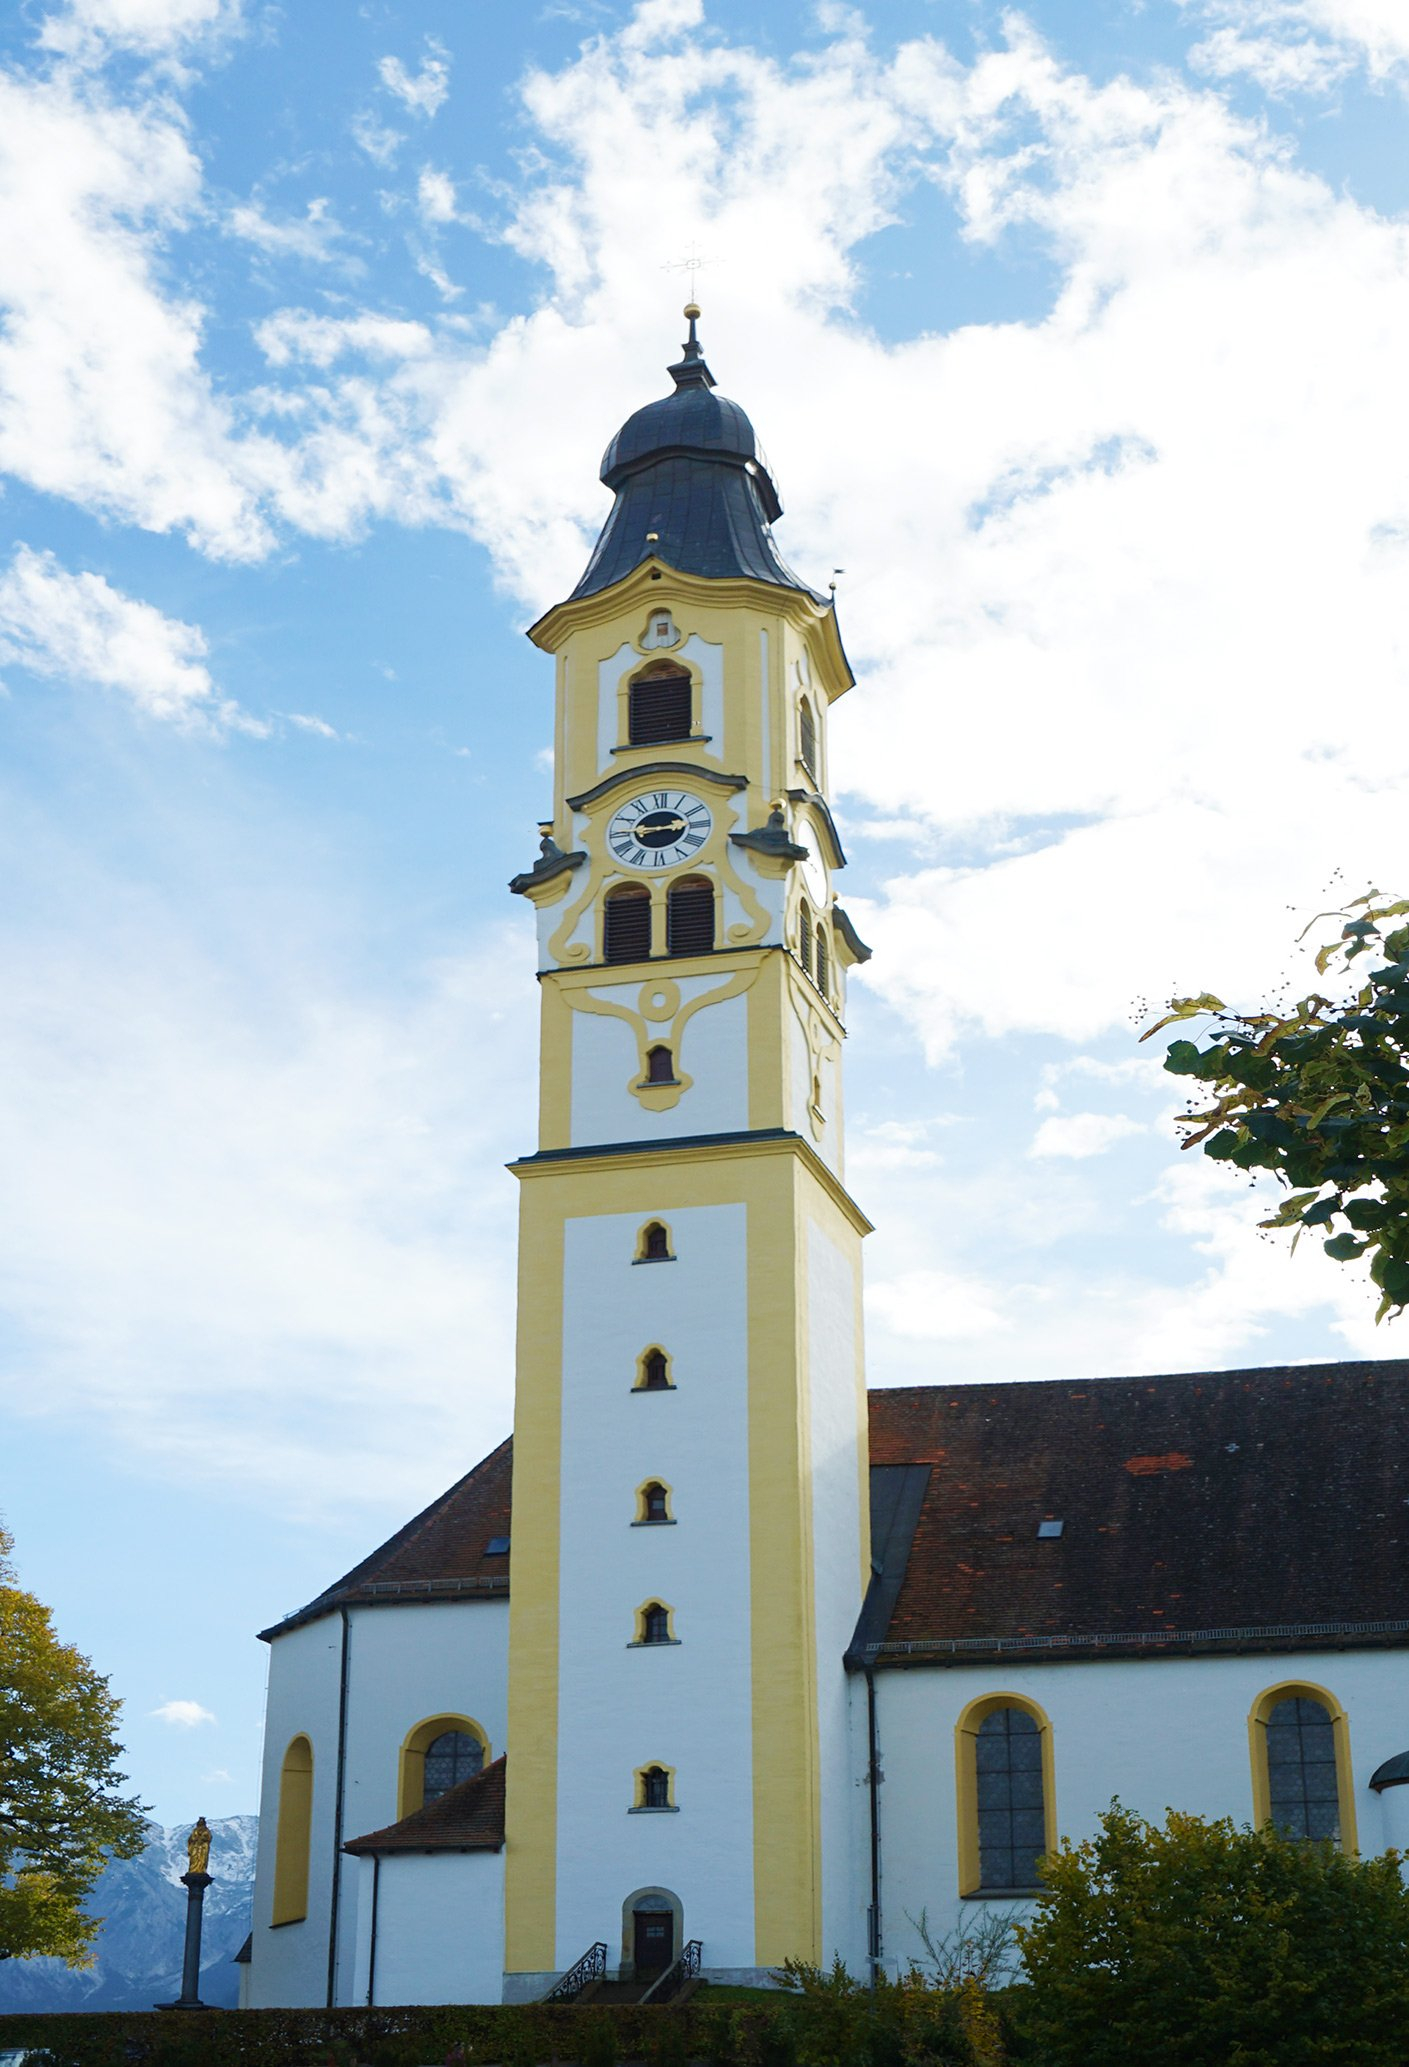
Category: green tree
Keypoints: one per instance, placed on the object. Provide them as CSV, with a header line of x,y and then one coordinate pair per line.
x,y
60,1811
1202,1945
1319,1096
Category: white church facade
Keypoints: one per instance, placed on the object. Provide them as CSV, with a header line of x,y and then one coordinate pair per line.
x,y
722,1660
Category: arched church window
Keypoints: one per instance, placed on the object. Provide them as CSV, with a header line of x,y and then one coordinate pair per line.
x,y
822,958
655,1624
626,924
689,917
1301,1766
450,1758
804,937
655,1371
659,707
1006,1813
660,1066
293,1833
807,738
655,1788
655,1244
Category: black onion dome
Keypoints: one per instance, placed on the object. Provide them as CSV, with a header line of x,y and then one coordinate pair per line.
x,y
692,488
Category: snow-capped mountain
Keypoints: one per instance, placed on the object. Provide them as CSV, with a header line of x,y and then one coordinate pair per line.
x,y
143,1906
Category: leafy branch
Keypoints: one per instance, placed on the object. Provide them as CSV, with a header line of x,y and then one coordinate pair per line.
x,y
1318,1095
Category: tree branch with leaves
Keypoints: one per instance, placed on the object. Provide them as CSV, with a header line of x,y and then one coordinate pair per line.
x,y
1319,1095
61,1815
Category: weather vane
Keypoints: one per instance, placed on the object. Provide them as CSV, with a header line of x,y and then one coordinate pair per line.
x,y
691,264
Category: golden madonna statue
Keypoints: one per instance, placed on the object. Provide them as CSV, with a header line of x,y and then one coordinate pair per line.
x,y
198,1847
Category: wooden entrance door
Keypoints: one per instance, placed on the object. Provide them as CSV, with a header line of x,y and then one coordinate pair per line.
x,y
655,1940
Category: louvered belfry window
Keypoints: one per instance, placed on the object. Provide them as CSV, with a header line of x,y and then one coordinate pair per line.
x,y
626,928
807,739
689,917
659,709
822,970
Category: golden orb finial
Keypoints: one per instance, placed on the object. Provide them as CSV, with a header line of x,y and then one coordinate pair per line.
x,y
691,312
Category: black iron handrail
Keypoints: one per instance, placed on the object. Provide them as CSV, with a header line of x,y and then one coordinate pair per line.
x,y
591,1967
684,1969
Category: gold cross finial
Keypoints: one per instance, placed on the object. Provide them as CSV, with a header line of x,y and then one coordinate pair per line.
x,y
691,263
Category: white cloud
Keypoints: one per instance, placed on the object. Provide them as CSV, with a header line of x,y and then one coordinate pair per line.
x,y
1082,1134
937,1306
88,29
435,196
256,1221
316,235
307,722
78,626
1304,45
379,142
422,92
185,1714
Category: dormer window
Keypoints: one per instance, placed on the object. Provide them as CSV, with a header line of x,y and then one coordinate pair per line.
x,y
660,707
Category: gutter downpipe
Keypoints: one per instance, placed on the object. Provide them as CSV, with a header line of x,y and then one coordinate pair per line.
x,y
372,1948
338,1808
873,1778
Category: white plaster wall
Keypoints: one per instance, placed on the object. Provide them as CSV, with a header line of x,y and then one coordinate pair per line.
x,y
609,674
440,1928
833,1379
605,1060
405,1663
1392,1833
709,659
1159,1733
289,1962
687,1706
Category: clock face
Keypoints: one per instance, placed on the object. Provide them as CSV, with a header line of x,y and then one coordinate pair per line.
x,y
659,828
813,872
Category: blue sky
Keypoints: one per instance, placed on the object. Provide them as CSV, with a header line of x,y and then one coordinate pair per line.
x,y
1076,335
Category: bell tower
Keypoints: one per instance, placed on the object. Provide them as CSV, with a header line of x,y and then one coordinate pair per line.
x,y
690,1514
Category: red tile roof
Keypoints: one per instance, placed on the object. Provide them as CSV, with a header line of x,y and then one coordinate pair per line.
x,y
1248,1501
467,1818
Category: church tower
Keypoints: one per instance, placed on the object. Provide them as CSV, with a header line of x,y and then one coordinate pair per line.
x,y
690,1515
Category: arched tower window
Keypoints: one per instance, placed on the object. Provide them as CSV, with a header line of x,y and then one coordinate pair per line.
x,y
654,1372
689,916
1302,1782
655,1787
655,1624
659,706
626,924
822,959
293,1833
654,1244
1006,1814
660,1066
653,1502
807,738
451,1757
804,937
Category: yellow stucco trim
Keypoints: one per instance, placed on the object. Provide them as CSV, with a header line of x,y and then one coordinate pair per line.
x,y
411,1761
966,1731
530,1859
293,1834
1302,1689
627,1166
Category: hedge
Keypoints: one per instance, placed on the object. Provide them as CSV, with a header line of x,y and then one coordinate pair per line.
x,y
790,2033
